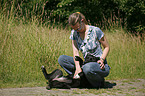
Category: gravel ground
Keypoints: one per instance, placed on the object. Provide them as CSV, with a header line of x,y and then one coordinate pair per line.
x,y
125,87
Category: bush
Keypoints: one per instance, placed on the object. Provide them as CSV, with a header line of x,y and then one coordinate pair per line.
x,y
134,11
102,13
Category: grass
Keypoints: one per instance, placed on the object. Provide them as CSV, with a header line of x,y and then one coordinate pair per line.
x,y
24,48
126,56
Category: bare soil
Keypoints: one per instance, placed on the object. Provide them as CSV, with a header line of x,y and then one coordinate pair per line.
x,y
125,87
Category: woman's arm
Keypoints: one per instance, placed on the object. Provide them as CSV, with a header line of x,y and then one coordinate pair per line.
x,y
76,53
105,44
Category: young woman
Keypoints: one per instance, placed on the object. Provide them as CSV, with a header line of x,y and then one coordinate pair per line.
x,y
88,40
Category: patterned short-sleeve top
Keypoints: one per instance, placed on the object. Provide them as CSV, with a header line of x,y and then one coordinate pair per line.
x,y
90,45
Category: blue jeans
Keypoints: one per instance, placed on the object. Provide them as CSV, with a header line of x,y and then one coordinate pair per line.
x,y
92,70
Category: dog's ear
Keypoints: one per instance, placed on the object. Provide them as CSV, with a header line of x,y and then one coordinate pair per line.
x,y
77,58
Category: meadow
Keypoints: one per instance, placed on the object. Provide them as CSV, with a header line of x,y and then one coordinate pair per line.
x,y
25,47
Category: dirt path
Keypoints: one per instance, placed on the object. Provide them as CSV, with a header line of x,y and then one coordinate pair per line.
x,y
119,87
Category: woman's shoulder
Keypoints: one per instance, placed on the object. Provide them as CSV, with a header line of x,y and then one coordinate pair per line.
x,y
94,28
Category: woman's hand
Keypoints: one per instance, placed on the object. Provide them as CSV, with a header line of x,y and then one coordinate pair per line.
x,y
77,72
101,62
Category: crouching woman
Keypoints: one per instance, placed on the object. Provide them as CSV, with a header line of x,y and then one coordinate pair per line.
x,y
87,39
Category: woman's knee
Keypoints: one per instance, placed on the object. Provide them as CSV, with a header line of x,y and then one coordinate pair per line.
x,y
91,68
61,59
86,69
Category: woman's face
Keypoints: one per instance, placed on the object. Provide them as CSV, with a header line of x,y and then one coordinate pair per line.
x,y
79,26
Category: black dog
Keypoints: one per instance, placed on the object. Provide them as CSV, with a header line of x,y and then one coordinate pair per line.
x,y
57,80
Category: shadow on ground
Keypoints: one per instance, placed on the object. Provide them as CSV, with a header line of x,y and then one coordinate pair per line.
x,y
109,85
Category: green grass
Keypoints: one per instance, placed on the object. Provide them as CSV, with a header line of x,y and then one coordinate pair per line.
x,y
126,56
24,48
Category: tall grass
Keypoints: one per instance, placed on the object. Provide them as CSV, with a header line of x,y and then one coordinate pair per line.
x,y
24,48
126,56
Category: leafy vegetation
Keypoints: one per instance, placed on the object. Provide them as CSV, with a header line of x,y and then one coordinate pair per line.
x,y
129,14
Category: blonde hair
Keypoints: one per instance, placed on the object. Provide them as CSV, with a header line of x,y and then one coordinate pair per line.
x,y
75,18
